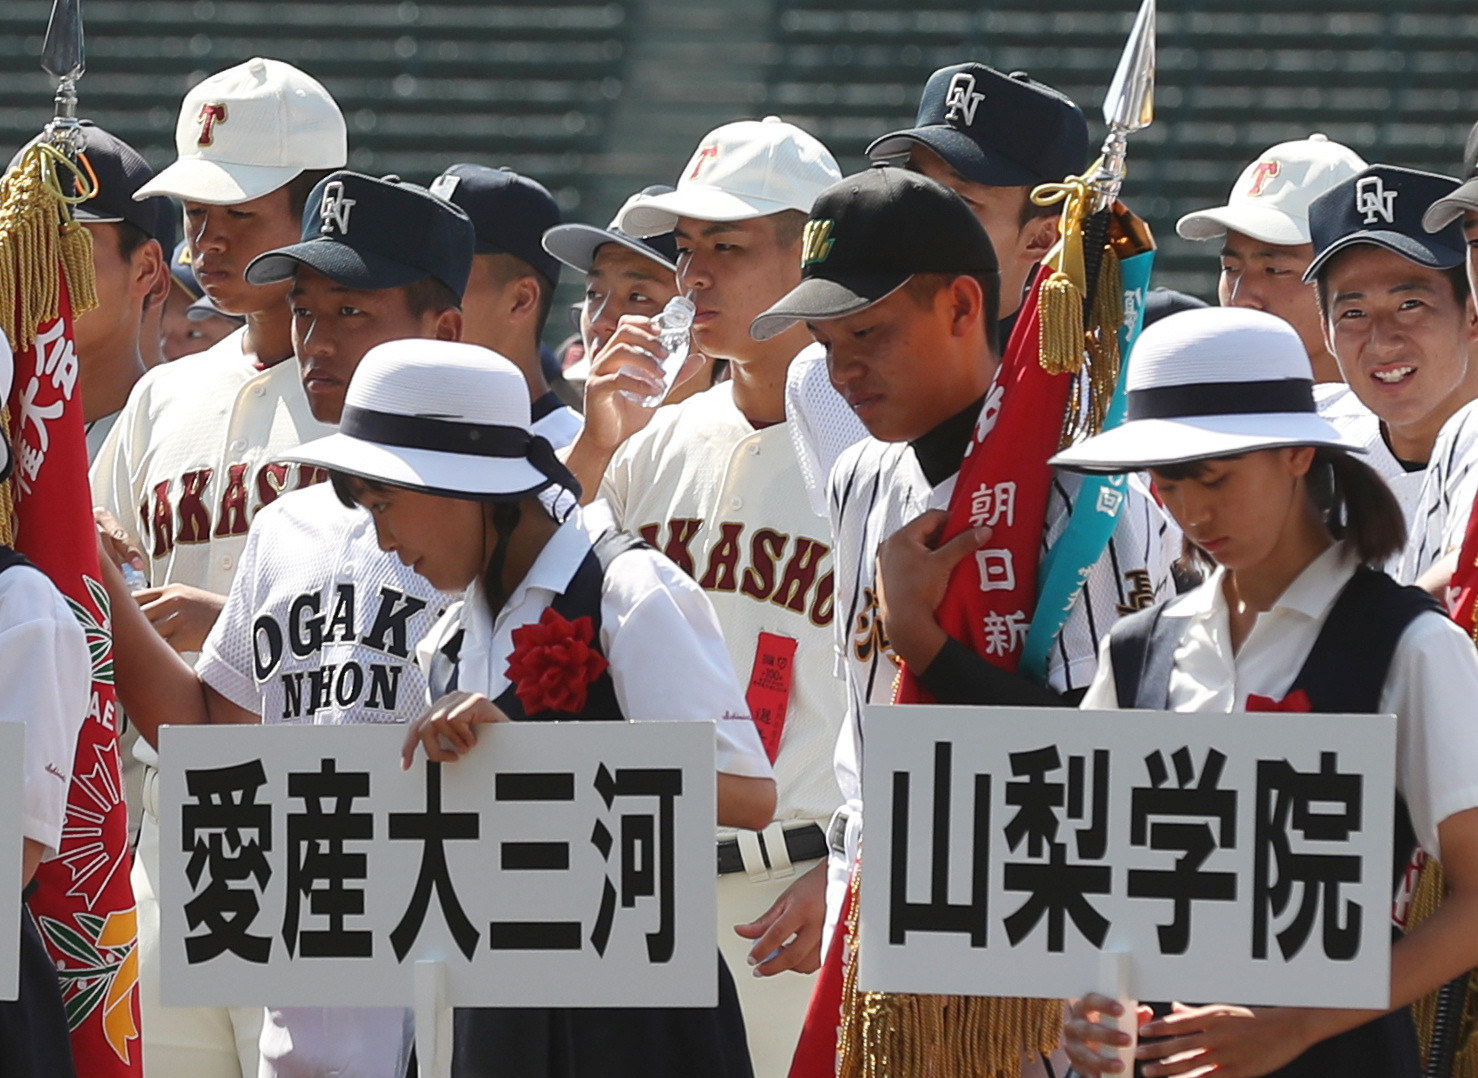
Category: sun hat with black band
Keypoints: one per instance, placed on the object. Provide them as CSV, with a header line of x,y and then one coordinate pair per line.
x,y
1384,206
1209,383
1449,208
868,234
371,234
442,417
575,244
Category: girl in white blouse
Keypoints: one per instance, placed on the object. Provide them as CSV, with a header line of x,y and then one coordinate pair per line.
x,y
1221,414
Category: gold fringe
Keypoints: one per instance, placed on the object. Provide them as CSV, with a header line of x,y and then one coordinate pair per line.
x,y
888,1035
1431,888
1060,308
7,505
37,234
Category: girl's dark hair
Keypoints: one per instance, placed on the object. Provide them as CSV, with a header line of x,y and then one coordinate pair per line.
x,y
345,485
505,518
1356,504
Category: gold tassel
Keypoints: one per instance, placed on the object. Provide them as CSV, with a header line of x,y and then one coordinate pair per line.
x,y
1060,309
7,505
1431,888
895,1035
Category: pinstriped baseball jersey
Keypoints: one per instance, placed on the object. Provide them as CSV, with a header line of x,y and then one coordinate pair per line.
x,y
1439,518
191,459
727,503
1338,404
876,487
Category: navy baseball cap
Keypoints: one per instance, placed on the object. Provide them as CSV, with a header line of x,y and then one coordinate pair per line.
x,y
117,170
1384,205
510,212
182,272
1447,210
370,234
868,234
995,129
575,245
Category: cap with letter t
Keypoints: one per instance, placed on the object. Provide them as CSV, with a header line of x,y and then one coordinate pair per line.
x,y
868,234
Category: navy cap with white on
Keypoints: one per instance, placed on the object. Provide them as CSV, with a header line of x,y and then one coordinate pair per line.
x,y
370,234
995,129
1384,206
510,212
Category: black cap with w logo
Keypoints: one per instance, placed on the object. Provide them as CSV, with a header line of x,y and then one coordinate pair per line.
x,y
868,234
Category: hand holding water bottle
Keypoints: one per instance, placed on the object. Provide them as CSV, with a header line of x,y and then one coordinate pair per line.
x,y
672,326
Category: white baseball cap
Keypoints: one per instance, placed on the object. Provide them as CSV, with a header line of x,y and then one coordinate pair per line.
x,y
1270,200
246,131
1209,383
741,170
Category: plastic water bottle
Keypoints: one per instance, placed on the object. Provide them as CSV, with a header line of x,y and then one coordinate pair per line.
x,y
672,327
133,578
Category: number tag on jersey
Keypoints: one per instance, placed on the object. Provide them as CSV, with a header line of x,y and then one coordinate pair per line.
x,y
769,688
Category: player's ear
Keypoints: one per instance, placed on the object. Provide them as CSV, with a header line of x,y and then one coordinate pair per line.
x,y
1039,236
523,297
151,277
448,325
966,305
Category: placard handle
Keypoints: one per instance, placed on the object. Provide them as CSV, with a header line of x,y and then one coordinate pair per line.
x,y
1116,979
433,1020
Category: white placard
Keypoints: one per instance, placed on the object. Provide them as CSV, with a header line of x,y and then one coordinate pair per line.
x,y
12,842
1234,858
557,864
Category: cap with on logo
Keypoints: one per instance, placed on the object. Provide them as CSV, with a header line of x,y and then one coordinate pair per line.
x,y
1270,200
1384,205
244,132
746,169
870,233
370,234
992,128
1446,210
510,212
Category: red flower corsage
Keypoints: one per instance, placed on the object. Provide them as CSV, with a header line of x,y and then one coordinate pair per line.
x,y
1297,700
553,664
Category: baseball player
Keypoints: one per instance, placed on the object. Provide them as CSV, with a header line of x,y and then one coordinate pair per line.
x,y
193,455
991,138
900,289
191,321
129,240
379,260
1397,313
713,482
511,290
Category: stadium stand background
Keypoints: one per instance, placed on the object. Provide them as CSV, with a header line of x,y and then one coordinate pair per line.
x,y
598,99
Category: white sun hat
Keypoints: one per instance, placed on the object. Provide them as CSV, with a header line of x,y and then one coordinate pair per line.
x,y
441,417
244,132
1208,383
745,169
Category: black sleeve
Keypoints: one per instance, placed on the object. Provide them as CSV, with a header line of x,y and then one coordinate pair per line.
x,y
960,676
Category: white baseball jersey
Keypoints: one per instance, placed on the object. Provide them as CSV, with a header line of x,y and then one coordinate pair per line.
x,y
1445,501
556,423
876,487
192,458
726,502
321,625
820,421
1338,404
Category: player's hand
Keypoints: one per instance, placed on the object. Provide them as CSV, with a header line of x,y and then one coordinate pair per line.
x,y
912,575
449,730
1091,1045
788,934
1232,1042
181,614
114,542
628,363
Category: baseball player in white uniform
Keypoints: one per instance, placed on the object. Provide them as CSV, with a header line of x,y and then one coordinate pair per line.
x,y
713,483
905,377
194,454
321,625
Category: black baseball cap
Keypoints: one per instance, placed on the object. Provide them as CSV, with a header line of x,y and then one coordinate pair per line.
x,y
1384,205
117,170
371,234
996,129
868,234
510,212
1448,209
575,245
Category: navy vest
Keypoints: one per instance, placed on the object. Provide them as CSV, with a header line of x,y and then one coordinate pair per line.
x,y
1344,674
580,599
